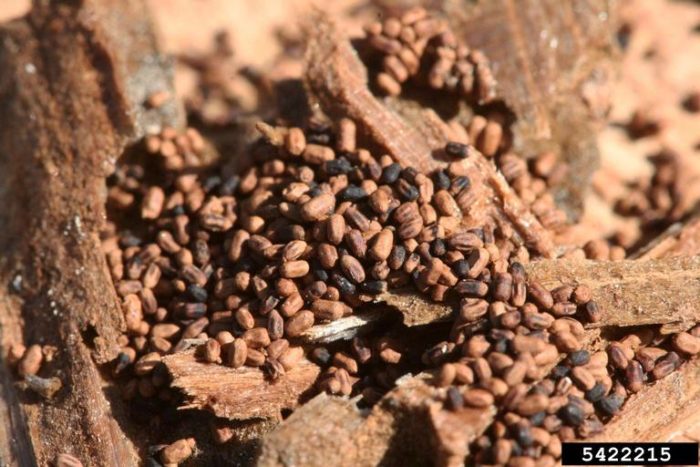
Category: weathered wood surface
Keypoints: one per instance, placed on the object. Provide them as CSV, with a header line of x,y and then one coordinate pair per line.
x,y
238,394
73,82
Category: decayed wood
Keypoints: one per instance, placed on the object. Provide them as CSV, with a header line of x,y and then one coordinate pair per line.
x,y
681,239
74,76
337,78
238,394
659,411
405,428
416,309
632,293
552,61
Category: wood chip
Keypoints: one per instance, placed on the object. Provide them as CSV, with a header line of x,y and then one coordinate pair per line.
x,y
632,293
238,394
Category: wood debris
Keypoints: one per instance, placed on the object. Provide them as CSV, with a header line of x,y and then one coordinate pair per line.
x,y
338,80
238,394
74,79
678,397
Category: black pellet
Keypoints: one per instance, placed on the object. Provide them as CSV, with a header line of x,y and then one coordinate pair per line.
x,y
338,166
315,191
229,186
461,268
407,192
391,173
211,182
438,247
323,139
579,357
321,356
197,293
523,435
352,193
128,239
538,418
457,149
572,414
320,273
560,371
611,404
343,284
596,393
374,287
441,180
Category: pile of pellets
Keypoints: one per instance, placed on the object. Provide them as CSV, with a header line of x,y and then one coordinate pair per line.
x,y
315,229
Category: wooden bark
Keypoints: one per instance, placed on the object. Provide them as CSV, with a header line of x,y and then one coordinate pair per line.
x,y
74,76
238,394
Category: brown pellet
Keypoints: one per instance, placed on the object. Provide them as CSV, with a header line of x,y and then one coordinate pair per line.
x,y
299,323
295,141
352,268
478,398
294,269
540,295
31,361
533,404
318,208
686,343
178,451
329,310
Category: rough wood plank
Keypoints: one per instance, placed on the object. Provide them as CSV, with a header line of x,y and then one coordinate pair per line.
x,y
238,394
74,78
632,293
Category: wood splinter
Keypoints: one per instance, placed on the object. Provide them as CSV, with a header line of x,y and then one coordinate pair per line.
x,y
238,394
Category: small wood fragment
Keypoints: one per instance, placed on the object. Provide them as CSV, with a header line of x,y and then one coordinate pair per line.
x,y
681,239
345,328
238,394
632,293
